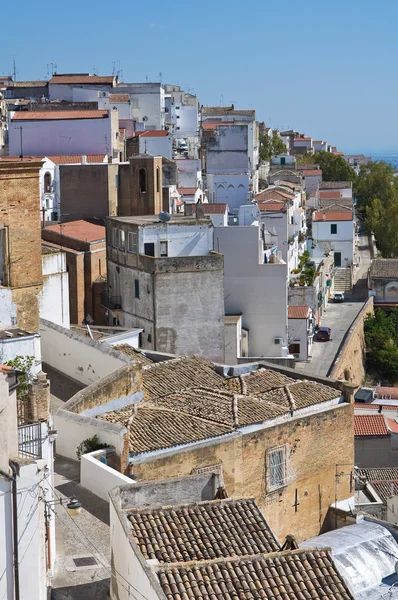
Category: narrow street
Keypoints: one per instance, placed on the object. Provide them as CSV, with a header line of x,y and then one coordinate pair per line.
x,y
339,317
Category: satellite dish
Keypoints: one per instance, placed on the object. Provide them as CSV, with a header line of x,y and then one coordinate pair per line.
x,y
164,217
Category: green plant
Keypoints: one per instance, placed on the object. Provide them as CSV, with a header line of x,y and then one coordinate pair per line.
x,y
301,237
304,258
309,274
23,364
89,445
296,271
381,336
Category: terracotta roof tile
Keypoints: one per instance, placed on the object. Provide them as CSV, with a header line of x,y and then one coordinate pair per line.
x,y
69,159
384,268
293,575
214,208
367,406
274,194
59,115
226,110
119,98
370,425
392,425
383,479
312,172
271,206
154,133
298,312
332,216
303,139
82,79
80,230
334,185
134,353
187,191
329,194
23,84
201,531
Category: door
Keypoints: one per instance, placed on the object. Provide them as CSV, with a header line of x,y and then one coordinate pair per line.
x,y
337,259
283,160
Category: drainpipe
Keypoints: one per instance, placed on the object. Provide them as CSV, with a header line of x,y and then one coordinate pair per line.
x,y
13,479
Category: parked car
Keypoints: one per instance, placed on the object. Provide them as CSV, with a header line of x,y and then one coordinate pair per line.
x,y
338,297
323,334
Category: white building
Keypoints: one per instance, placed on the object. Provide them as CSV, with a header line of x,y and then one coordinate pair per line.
x,y
156,143
182,112
54,297
344,188
61,87
283,160
27,529
254,288
147,104
320,146
301,331
45,133
311,180
189,172
334,230
303,145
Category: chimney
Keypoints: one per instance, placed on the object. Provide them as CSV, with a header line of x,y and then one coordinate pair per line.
x,y
324,216
200,211
84,159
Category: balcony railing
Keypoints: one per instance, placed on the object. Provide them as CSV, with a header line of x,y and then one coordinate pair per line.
x,y
29,440
111,302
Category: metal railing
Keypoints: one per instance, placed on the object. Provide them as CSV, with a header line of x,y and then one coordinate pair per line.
x,y
111,302
29,440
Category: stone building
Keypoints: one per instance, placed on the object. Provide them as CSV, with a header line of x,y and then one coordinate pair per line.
x,y
383,280
84,245
165,278
140,186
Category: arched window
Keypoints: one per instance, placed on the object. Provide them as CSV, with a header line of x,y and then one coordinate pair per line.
x,y
142,180
158,180
47,182
231,186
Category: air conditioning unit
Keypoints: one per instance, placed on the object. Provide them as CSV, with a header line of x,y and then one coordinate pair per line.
x,y
278,341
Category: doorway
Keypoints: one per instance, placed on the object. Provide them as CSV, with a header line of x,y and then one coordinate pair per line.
x,y
149,249
337,259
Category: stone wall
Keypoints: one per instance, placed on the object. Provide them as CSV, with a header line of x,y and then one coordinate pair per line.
x,y
349,363
315,442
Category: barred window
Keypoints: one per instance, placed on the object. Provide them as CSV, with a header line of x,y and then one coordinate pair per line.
x,y
277,467
133,242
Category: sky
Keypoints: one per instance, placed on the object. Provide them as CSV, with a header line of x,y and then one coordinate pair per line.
x,y
325,68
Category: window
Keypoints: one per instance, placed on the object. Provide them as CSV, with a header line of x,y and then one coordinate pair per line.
x,y
163,249
133,242
117,180
142,180
47,182
177,128
149,249
158,179
149,338
136,288
177,108
333,228
134,102
277,468
122,239
178,116
115,237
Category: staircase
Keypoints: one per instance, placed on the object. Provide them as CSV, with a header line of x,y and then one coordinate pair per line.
x,y
342,279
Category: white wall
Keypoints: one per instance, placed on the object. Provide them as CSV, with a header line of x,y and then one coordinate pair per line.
x,y
54,297
28,345
147,102
98,477
8,309
77,136
77,357
189,172
73,429
157,146
298,333
343,241
183,240
218,220
257,291
311,182
231,189
232,336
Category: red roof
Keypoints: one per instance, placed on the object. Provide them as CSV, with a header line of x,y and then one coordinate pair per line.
x,y
298,312
310,172
392,425
327,194
80,230
369,425
213,208
187,191
76,158
155,133
332,216
365,406
214,125
59,115
119,98
390,392
273,194
82,79
303,139
271,206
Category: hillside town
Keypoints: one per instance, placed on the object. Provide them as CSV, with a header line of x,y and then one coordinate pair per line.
x,y
198,348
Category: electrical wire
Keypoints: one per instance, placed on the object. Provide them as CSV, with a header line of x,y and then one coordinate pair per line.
x,y
111,570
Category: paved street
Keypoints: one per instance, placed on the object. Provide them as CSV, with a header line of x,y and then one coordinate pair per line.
x,y
339,318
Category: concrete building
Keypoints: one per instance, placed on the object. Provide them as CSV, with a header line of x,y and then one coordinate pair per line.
x,y
84,246
311,180
303,145
376,440
320,146
383,280
46,133
61,86
141,186
27,527
54,297
155,143
300,332
147,104
333,229
182,112
344,188
255,282
163,277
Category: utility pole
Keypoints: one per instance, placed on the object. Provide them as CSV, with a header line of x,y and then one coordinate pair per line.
x,y
14,70
20,141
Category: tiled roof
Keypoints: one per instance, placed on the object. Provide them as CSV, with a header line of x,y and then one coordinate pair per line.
x,y
292,575
187,191
384,268
80,230
226,110
59,115
134,353
154,133
69,159
311,172
392,425
271,206
274,194
332,216
334,185
119,98
329,194
303,139
201,531
383,479
215,125
161,379
23,84
287,184
298,312
387,392
370,425
367,406
212,208
82,79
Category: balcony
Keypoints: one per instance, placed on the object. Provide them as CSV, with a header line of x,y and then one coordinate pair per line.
x,y
30,441
111,302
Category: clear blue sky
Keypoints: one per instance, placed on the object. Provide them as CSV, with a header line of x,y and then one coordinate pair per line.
x,y
326,68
